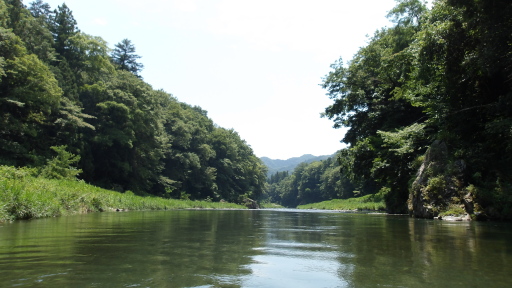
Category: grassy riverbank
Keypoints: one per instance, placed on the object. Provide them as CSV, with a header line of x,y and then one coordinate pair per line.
x,y
24,196
266,205
367,202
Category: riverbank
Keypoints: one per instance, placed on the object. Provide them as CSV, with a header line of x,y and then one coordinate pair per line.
x,y
23,196
373,202
266,205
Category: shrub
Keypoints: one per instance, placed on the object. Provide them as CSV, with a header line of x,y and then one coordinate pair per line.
x,y
61,166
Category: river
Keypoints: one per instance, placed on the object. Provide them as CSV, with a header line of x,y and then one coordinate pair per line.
x,y
253,248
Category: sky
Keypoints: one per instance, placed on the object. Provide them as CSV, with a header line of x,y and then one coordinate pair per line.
x,y
255,65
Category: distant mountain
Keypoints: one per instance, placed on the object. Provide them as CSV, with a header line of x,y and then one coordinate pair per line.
x,y
276,165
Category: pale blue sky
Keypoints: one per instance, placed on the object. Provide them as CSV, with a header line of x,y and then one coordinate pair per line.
x,y
255,66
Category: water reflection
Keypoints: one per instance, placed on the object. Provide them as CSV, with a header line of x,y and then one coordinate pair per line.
x,y
253,249
174,249
377,250
295,253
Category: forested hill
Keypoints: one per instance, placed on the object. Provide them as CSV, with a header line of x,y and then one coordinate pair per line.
x,y
277,165
428,106
311,182
64,92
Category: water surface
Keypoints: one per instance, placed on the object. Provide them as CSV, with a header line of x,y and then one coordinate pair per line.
x,y
258,248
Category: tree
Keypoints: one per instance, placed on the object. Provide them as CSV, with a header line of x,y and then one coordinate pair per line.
x,y
240,174
124,57
61,166
64,27
29,95
39,9
90,62
440,75
462,81
17,14
4,14
369,97
33,32
59,88
187,163
127,147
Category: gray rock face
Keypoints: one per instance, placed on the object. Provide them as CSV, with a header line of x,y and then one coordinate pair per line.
x,y
439,185
251,204
420,203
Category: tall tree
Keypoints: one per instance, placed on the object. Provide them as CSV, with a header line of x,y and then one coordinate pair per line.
x,y
39,9
125,58
29,94
59,86
462,79
368,98
4,14
17,15
34,32
64,27
127,147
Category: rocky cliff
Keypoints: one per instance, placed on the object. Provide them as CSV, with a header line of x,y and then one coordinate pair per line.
x,y
439,188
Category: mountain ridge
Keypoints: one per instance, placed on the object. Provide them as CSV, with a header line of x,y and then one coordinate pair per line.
x,y
278,165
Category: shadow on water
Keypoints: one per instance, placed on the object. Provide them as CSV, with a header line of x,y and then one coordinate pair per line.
x,y
266,248
146,249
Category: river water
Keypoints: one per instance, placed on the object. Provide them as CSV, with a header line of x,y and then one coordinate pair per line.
x,y
253,248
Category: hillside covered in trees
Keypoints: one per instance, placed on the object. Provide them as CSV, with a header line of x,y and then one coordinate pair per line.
x,y
278,165
63,88
309,183
428,104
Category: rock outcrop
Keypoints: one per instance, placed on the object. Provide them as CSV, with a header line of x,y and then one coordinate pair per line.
x,y
439,186
251,204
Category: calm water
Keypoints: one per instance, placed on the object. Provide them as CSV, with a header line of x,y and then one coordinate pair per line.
x,y
253,249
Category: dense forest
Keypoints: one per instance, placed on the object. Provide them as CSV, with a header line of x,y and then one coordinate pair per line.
x,y
66,98
428,104
309,183
277,165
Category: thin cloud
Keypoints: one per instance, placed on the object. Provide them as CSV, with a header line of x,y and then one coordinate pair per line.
x,y
100,22
186,5
280,25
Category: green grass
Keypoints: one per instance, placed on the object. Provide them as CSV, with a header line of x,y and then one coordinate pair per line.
x,y
453,210
266,205
24,196
368,202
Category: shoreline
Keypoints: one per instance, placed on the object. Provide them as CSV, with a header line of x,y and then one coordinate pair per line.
x,y
24,197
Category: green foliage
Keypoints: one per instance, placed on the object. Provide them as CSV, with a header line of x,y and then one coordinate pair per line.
x,y
40,9
436,75
9,172
32,31
309,182
64,26
23,196
436,187
60,87
125,58
29,94
90,60
453,210
374,202
270,205
236,167
384,128
403,141
62,165
4,14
